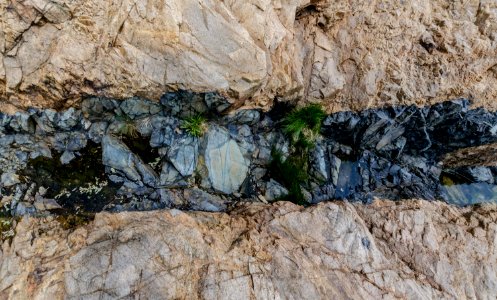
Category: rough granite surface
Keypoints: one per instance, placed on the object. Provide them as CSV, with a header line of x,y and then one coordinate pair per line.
x,y
345,54
335,250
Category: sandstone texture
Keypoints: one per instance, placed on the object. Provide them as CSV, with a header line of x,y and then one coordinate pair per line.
x,y
345,54
335,250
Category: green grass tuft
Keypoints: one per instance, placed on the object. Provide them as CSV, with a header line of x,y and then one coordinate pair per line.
x,y
127,127
195,126
304,124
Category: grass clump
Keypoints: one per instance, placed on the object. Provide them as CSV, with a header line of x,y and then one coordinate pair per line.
x,y
195,126
303,125
126,127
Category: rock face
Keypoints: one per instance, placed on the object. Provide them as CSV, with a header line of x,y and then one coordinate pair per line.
x,y
116,155
337,52
412,250
225,162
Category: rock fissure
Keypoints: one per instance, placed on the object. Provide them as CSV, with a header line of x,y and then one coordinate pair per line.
x,y
136,155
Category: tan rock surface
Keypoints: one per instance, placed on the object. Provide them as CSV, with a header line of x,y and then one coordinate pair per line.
x,y
346,54
407,250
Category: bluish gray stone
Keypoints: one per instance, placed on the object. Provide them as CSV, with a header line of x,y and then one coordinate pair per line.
x,y
162,137
226,165
202,201
68,119
24,208
335,164
71,141
22,122
183,154
274,190
67,157
97,131
245,116
170,177
9,178
481,174
117,155
319,166
45,121
136,107
217,102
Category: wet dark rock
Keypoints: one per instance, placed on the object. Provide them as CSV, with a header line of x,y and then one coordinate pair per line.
x,y
216,102
97,109
246,116
184,103
45,121
187,104
335,164
323,193
319,165
69,141
392,153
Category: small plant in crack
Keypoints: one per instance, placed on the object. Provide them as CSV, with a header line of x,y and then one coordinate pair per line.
x,y
303,125
195,126
145,123
126,127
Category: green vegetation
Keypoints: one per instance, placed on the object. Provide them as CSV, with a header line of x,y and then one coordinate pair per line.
x,y
7,226
127,127
195,126
303,125
291,172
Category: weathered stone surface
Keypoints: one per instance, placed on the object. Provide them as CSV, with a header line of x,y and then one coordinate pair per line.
x,y
183,154
274,191
412,250
116,155
225,162
337,52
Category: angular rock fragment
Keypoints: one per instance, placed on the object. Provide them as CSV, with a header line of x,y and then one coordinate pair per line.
x,y
116,155
226,165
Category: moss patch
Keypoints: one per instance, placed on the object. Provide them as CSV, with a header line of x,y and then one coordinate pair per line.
x,y
81,185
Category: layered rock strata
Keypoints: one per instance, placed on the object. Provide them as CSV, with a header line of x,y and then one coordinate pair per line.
x,y
347,55
408,250
137,155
